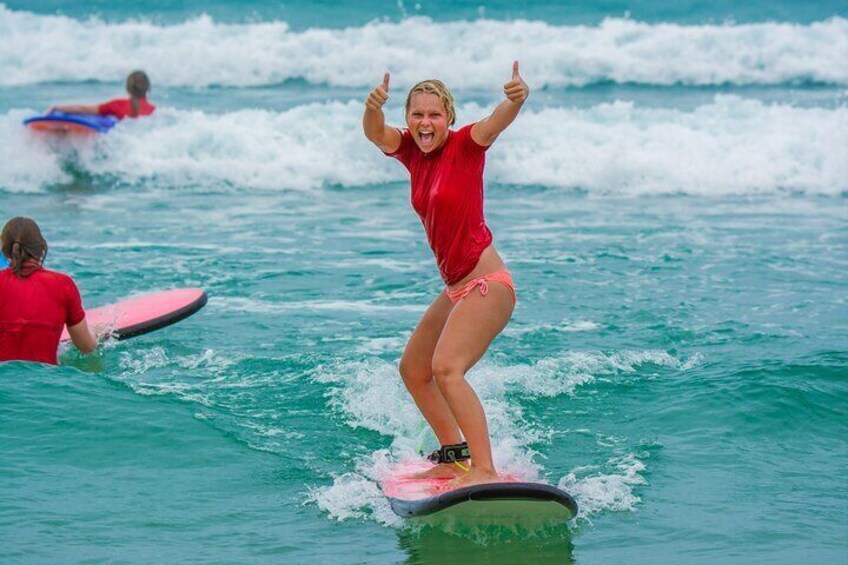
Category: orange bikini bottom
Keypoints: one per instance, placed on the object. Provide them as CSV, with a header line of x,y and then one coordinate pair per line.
x,y
503,277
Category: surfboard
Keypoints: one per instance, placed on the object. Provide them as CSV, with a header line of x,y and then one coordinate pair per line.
x,y
140,315
511,502
61,123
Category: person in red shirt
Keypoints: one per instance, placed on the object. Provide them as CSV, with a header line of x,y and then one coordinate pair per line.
x,y
36,304
446,171
138,84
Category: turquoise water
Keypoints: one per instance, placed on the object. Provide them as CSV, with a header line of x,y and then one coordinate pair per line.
x,y
677,227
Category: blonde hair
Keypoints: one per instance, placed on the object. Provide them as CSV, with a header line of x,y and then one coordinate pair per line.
x,y
437,87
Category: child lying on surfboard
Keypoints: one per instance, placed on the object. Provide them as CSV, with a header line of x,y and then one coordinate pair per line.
x,y
138,84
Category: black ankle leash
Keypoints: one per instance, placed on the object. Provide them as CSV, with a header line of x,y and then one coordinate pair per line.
x,y
450,453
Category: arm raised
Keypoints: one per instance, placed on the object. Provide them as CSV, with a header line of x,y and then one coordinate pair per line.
x,y
374,120
487,130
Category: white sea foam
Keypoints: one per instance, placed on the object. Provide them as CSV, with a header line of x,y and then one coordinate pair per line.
x,y
554,376
731,145
28,162
356,494
241,304
379,345
562,327
370,394
610,487
138,366
469,54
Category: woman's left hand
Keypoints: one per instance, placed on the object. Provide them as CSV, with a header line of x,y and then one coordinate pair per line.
x,y
487,130
516,90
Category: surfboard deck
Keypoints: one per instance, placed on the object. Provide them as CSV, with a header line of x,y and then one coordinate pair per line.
x,y
507,503
61,123
143,314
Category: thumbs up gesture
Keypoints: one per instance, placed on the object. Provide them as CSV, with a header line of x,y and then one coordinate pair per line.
x,y
515,89
378,96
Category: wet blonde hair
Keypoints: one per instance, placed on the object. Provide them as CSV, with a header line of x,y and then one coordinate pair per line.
x,y
437,87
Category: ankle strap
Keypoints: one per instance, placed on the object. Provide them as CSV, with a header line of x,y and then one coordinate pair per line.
x,y
450,453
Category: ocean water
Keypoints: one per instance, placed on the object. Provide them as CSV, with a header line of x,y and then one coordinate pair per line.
x,y
672,201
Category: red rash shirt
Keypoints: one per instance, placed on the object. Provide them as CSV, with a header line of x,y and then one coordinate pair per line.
x,y
33,313
121,108
447,194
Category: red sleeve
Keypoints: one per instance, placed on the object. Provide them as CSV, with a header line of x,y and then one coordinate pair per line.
x,y
403,150
467,143
74,312
112,108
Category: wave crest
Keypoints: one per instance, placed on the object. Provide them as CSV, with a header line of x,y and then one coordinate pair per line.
x,y
727,147
469,54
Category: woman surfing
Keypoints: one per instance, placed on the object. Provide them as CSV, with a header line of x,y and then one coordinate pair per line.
x,y
446,174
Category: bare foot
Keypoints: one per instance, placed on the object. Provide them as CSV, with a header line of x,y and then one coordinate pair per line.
x,y
475,477
440,471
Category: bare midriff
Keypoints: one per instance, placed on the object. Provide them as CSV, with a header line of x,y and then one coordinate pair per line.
x,y
489,262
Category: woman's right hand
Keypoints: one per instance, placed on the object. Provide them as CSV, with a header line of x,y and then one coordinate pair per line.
x,y
378,96
374,121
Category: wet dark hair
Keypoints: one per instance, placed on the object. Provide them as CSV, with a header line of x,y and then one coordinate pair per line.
x,y
21,241
137,86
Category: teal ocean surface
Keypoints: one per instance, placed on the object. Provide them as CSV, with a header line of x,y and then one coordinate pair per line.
x,y
672,202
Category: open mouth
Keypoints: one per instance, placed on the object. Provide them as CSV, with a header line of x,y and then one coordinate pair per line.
x,y
426,138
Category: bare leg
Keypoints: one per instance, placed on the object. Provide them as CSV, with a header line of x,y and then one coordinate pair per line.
x,y
416,371
470,329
